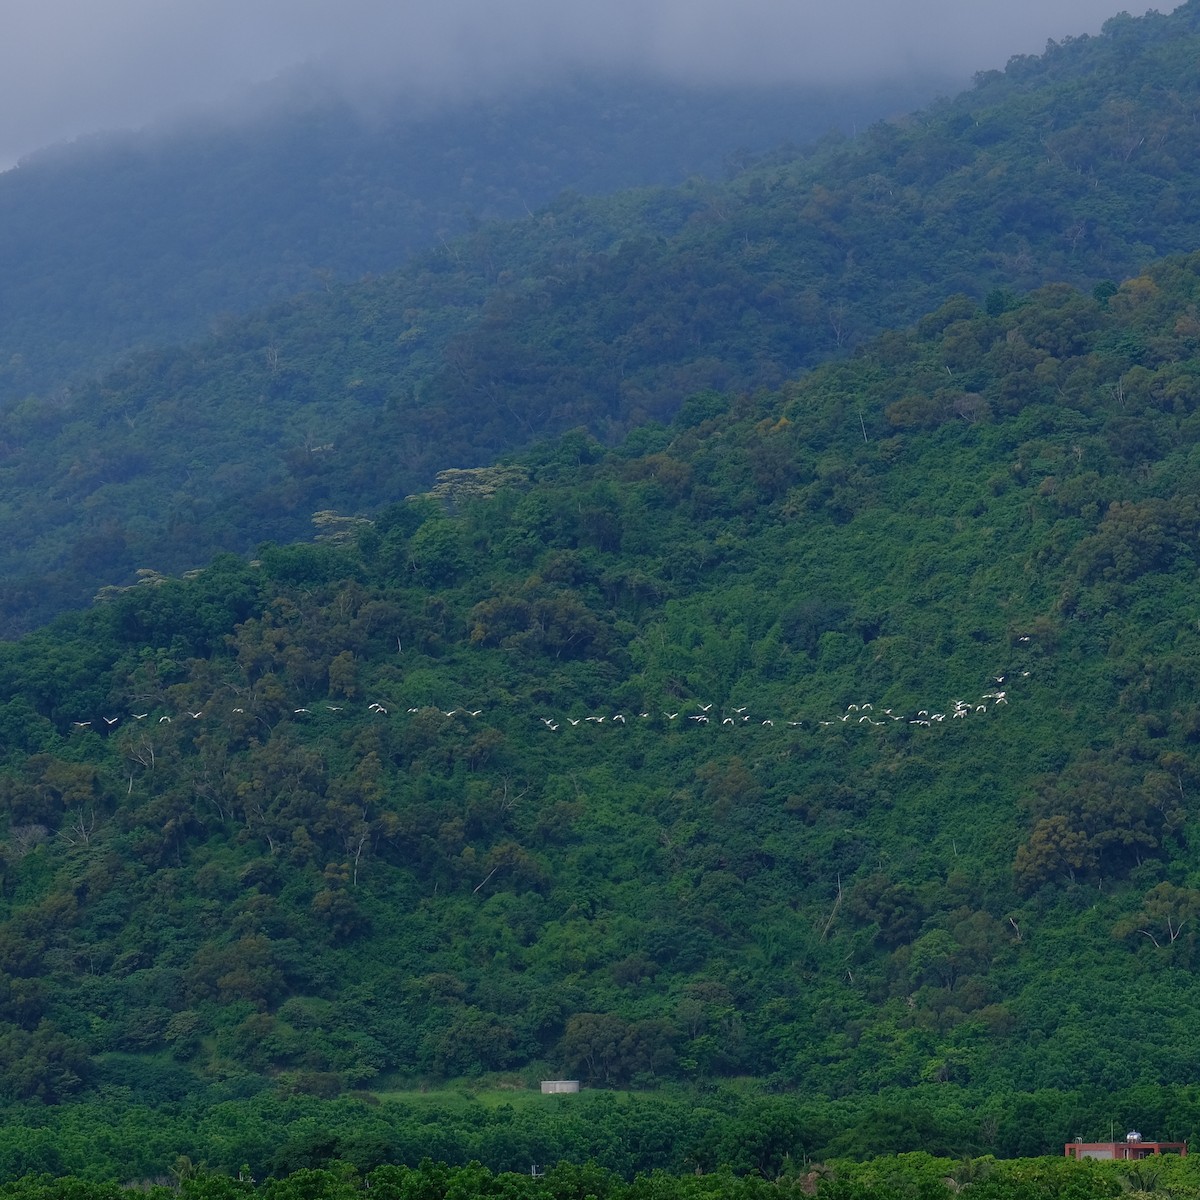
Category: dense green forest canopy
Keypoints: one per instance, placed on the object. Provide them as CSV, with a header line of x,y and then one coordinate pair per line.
x,y
128,240
1078,165
842,737
918,1175
136,1130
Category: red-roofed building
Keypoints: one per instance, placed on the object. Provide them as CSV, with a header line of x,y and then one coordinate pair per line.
x,y
1133,1147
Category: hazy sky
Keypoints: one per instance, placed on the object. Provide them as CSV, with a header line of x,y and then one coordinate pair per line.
x,y
69,67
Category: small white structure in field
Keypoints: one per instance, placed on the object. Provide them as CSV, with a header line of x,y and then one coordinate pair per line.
x,y
557,1086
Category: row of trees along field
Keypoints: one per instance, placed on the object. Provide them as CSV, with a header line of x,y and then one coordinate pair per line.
x,y
139,1129
913,1175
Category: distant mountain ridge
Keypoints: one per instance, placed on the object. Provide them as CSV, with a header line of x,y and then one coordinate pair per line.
x,y
124,241
1077,165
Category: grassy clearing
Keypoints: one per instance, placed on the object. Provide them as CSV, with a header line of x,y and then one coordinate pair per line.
x,y
489,1093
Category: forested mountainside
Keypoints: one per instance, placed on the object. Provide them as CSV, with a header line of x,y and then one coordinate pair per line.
x,y
841,736
604,314
135,239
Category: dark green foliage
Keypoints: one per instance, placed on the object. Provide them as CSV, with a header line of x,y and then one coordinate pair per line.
x,y
333,1167
340,816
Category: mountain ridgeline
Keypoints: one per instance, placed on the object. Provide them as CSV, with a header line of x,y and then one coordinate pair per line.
x,y
139,239
603,314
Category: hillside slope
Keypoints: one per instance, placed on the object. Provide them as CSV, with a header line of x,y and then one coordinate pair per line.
x,y
842,737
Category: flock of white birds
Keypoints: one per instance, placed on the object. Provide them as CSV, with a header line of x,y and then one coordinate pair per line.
x,y
687,715
855,715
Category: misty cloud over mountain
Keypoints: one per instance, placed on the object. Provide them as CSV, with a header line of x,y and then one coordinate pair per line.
x,y
68,67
